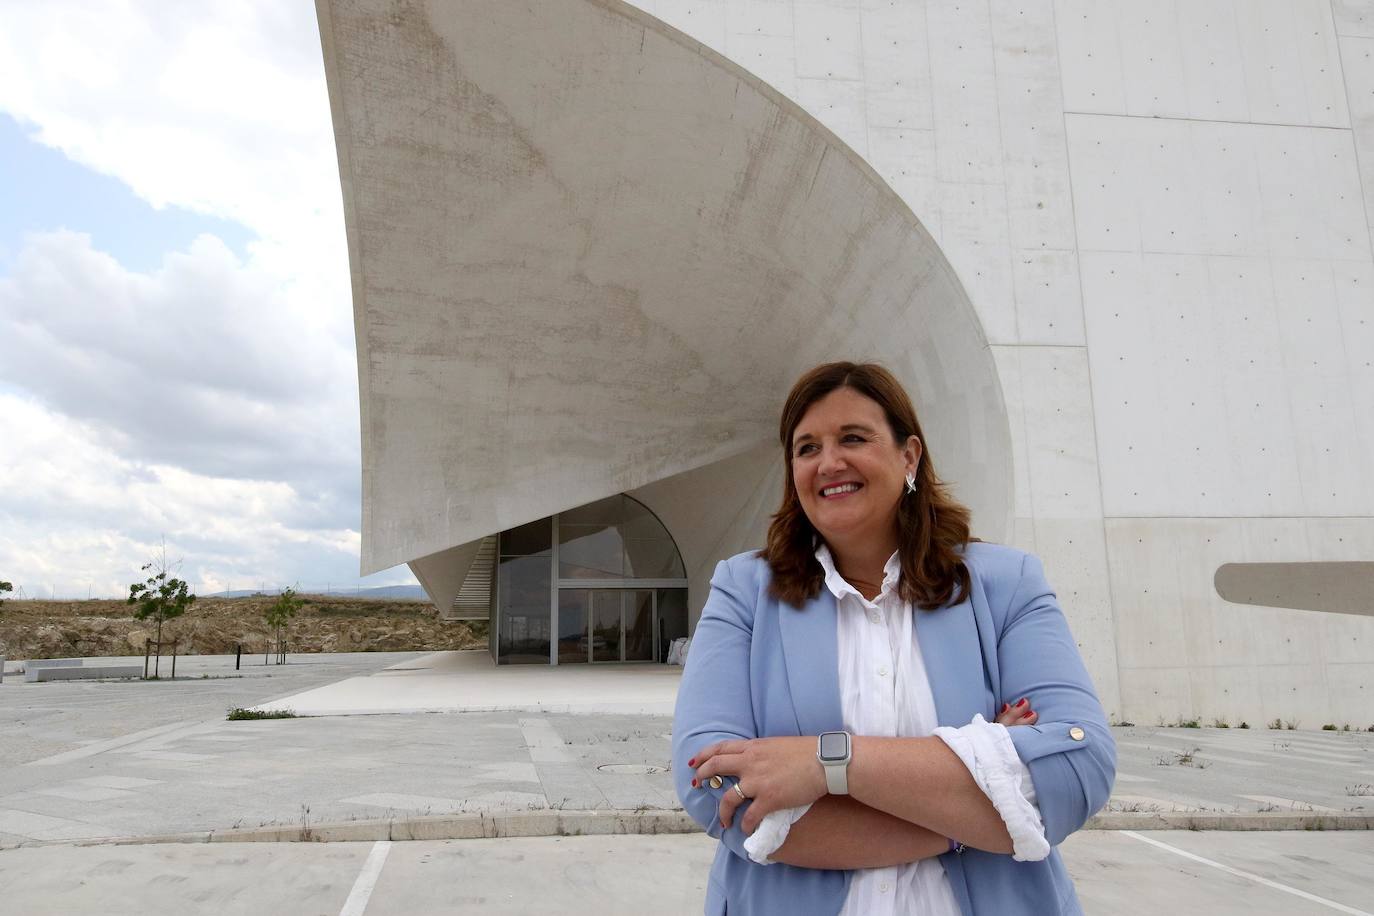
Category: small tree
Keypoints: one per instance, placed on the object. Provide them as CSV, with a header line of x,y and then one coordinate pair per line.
x,y
279,614
161,596
5,587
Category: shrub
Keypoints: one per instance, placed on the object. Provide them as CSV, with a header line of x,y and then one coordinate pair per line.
x,y
238,713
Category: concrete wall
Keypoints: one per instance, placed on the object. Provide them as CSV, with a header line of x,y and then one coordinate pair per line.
x,y
590,256
1159,212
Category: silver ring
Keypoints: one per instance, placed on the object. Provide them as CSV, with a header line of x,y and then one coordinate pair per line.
x,y
740,792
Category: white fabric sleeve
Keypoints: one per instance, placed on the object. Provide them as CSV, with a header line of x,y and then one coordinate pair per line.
x,y
987,751
772,832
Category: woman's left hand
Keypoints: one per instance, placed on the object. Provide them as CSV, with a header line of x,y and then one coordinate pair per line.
x,y
776,773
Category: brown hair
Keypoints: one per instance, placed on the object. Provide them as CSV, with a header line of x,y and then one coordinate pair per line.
x,y
931,526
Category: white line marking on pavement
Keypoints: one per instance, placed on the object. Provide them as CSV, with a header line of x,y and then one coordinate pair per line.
x,y
356,904
1339,907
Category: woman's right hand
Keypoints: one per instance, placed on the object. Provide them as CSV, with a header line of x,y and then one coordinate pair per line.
x,y
1019,714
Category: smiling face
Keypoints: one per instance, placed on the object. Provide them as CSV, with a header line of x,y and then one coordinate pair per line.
x,y
849,471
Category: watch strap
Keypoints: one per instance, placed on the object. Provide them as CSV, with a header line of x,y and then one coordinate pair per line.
x,y
837,778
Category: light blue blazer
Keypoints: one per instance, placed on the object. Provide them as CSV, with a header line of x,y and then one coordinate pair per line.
x,y
758,667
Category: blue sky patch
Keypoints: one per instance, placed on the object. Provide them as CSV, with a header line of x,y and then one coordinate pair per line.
x,y
42,190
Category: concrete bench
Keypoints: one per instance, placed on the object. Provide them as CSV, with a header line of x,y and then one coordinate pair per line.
x,y
53,663
81,673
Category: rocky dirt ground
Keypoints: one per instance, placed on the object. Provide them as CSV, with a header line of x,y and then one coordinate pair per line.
x,y
327,623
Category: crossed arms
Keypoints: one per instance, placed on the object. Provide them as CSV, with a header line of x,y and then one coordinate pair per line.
x,y
882,821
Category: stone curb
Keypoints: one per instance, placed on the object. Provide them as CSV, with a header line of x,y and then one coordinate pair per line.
x,y
1203,820
605,823
444,827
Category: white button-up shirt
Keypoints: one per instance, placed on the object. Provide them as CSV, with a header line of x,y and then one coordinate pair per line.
x,y
885,692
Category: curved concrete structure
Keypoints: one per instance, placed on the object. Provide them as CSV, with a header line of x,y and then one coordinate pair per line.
x,y
1159,212
590,256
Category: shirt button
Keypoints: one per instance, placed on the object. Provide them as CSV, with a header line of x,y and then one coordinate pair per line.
x,y
882,888
873,617
1076,733
882,671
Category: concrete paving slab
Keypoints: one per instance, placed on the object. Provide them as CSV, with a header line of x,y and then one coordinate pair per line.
x,y
1227,874
469,681
1120,873
47,720
191,772
309,880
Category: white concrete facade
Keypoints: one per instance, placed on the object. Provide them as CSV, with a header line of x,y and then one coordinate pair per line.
x,y
1158,212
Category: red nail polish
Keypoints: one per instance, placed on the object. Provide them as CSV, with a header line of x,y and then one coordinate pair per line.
x,y
1006,706
692,762
1022,703
694,783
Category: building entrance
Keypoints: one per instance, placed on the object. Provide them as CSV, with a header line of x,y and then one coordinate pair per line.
x,y
605,625
600,583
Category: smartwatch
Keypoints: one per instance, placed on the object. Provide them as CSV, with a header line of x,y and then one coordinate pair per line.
x,y
833,751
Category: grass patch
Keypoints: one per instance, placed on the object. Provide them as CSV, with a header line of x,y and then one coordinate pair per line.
x,y
1186,758
239,713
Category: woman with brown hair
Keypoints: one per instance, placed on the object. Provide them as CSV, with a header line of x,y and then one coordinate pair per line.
x,y
842,722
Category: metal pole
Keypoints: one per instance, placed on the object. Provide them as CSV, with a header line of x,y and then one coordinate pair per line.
x,y
238,654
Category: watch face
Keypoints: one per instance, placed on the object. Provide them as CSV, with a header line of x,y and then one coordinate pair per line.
x,y
834,746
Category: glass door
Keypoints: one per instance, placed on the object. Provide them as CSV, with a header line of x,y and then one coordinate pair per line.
x,y
605,625
607,632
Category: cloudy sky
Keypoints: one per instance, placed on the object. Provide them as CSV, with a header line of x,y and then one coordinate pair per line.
x,y
176,338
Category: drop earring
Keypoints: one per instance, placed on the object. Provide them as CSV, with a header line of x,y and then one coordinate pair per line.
x,y
910,481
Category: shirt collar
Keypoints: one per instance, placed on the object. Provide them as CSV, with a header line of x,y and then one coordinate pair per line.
x,y
839,586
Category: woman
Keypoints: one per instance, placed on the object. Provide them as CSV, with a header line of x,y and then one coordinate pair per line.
x,y
832,725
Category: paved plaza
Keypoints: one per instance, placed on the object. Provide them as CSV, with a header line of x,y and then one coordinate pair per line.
x,y
109,783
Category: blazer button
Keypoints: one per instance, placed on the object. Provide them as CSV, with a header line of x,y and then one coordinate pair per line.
x,y
716,781
1076,733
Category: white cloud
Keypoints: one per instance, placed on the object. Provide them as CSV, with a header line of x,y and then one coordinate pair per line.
x,y
206,363
220,108
76,515
213,400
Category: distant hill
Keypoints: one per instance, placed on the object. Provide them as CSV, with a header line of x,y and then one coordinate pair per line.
x,y
379,593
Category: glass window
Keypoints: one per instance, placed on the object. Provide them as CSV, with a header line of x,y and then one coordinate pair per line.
x,y
525,612
603,512
572,625
590,551
606,625
653,560
639,626
534,539
672,618
615,538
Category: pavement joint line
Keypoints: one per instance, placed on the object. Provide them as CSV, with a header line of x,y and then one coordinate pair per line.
x,y
100,747
356,904
603,822
1339,907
